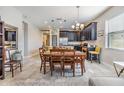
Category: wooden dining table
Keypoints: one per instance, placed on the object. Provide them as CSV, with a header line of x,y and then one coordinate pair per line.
x,y
79,54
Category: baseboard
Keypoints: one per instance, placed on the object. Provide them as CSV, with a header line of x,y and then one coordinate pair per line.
x,y
108,65
31,55
34,54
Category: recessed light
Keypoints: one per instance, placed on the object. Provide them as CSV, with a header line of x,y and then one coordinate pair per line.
x,y
52,20
61,26
45,22
60,22
64,20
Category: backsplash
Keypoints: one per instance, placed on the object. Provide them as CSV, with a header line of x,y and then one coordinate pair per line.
x,y
74,43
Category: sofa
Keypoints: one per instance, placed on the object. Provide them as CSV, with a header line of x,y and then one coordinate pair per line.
x,y
106,81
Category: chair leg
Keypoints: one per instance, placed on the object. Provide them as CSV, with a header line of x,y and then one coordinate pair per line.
x,y
63,70
84,66
12,70
71,66
20,67
73,69
81,68
41,67
84,69
91,57
44,67
50,65
98,58
51,69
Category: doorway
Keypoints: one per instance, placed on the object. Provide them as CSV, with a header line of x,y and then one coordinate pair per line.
x,y
46,39
10,36
54,40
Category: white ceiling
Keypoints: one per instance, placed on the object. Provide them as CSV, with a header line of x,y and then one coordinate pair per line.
x,y
41,16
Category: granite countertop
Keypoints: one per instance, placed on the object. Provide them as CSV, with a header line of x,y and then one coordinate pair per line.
x,y
71,45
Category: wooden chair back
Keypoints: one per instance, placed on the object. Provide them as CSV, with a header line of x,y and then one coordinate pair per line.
x,y
10,63
41,51
8,55
68,52
69,55
56,55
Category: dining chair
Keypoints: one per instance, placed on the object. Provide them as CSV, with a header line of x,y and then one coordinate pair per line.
x,y
96,52
11,63
80,60
41,51
85,50
56,59
44,60
68,60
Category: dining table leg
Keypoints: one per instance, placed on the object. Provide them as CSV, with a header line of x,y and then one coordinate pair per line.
x,y
73,69
44,66
84,65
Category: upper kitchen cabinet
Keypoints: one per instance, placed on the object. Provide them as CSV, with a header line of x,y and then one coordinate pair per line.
x,y
89,32
77,36
63,34
71,35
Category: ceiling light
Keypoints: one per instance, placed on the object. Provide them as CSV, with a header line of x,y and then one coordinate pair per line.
x,y
64,20
45,22
73,26
52,20
78,26
61,26
49,26
60,22
81,26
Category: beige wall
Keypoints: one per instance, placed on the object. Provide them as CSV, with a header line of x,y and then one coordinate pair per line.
x,y
12,16
34,40
108,55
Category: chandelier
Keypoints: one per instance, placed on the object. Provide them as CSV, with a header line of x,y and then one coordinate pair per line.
x,y
78,26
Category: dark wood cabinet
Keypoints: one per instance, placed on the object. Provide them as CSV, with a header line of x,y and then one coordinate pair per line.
x,y
71,35
1,50
63,33
89,32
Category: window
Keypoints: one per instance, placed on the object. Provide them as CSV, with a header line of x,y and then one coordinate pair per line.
x,y
116,39
115,32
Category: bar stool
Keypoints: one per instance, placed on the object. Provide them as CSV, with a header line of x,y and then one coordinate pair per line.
x,y
97,53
